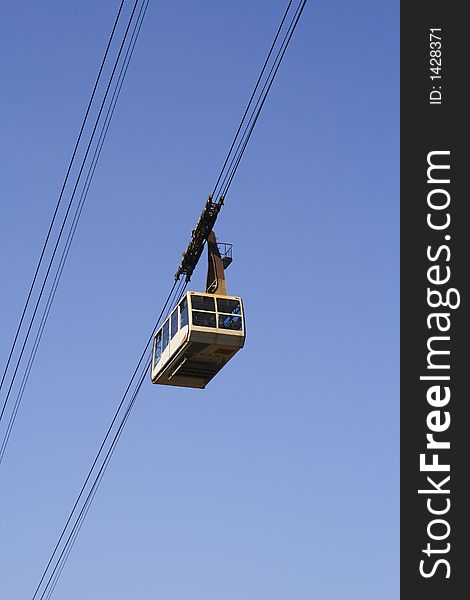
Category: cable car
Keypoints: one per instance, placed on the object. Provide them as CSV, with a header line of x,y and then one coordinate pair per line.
x,y
202,333
199,337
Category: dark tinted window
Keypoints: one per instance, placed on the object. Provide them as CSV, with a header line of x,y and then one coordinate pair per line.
x,y
158,347
230,322
203,303
232,307
184,312
174,322
165,335
203,319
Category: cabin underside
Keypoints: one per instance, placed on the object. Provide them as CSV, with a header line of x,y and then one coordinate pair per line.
x,y
195,364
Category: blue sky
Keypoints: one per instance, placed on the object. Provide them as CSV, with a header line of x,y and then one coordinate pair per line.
x,y
280,480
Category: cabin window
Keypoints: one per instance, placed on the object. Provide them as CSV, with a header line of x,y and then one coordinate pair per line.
x,y
184,312
165,336
233,322
158,347
174,323
203,303
231,307
203,319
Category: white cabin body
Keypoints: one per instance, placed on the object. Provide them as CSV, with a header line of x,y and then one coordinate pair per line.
x,y
197,339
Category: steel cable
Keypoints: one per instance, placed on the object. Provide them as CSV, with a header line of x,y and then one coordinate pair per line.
x,y
59,200
102,446
177,291
76,218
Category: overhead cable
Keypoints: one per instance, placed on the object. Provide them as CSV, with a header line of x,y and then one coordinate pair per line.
x,y
99,464
76,218
248,121
87,493
214,191
235,161
59,268
46,241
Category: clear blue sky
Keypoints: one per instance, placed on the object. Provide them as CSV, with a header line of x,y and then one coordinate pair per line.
x,y
280,480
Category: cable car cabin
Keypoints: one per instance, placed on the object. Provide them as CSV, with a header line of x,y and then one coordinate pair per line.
x,y
199,337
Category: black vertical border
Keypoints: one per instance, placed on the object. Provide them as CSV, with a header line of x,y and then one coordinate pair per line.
x,y
426,128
